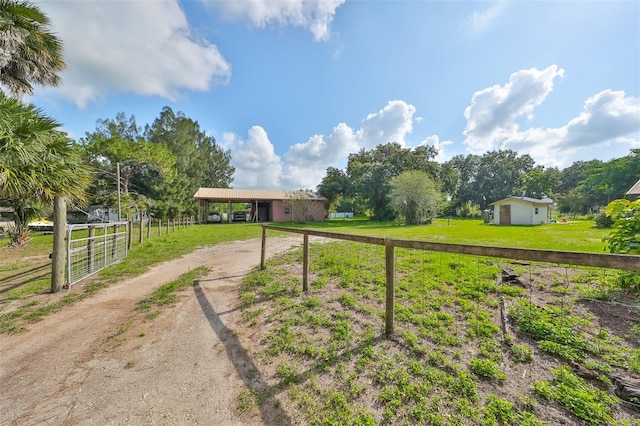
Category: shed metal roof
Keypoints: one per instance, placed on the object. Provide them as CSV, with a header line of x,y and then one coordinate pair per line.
x,y
244,195
635,189
544,201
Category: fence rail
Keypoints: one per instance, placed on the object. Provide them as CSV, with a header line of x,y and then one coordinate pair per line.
x,y
602,260
103,245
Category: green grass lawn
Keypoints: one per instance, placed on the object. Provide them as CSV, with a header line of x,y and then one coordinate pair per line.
x,y
578,235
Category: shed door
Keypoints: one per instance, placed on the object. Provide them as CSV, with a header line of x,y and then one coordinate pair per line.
x,y
505,214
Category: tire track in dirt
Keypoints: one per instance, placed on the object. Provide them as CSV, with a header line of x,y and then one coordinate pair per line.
x,y
74,367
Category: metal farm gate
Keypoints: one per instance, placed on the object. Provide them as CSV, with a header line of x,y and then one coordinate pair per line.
x,y
93,247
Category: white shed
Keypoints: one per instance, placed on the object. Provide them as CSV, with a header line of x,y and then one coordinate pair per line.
x,y
521,211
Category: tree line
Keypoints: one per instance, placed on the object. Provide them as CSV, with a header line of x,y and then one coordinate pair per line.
x,y
161,165
469,183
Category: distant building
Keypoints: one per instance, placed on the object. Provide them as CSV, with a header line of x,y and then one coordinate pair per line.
x,y
521,211
266,205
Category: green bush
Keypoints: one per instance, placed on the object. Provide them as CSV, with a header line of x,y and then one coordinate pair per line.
x,y
625,237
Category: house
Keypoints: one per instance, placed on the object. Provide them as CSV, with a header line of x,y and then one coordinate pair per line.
x,y
521,211
634,192
266,205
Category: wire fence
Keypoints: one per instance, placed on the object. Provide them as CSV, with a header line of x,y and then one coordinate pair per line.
x,y
91,248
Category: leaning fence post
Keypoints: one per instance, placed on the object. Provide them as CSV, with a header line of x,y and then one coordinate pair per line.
x,y
264,245
305,263
141,230
148,228
390,281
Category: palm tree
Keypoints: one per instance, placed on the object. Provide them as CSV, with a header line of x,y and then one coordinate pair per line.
x,y
37,163
29,52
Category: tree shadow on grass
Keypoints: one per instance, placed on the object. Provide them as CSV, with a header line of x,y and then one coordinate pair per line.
x,y
270,410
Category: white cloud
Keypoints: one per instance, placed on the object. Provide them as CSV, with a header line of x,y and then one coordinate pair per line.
x,y
322,151
314,15
256,163
605,116
480,21
141,47
609,119
391,124
435,141
305,164
493,111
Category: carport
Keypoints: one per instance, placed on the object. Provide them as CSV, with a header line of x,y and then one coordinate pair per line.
x,y
266,205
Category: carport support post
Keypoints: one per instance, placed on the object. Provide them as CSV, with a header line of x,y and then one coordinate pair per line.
x,y
58,256
230,213
390,280
305,263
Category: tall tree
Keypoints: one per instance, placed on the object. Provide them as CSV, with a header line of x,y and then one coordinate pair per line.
x,y
121,141
372,171
415,196
491,177
29,51
37,163
336,185
200,162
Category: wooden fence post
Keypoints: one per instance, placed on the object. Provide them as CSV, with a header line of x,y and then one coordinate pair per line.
x,y
58,255
305,263
168,226
148,228
263,249
159,227
174,225
141,230
390,281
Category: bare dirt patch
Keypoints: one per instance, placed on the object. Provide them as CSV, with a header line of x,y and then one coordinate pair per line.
x,y
100,361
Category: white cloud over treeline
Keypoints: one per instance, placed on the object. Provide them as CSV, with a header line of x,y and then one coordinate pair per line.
x,y
492,119
305,164
608,117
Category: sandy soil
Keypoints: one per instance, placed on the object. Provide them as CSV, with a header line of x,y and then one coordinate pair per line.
x,y
100,361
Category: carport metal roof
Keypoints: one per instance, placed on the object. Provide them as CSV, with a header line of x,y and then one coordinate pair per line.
x,y
219,195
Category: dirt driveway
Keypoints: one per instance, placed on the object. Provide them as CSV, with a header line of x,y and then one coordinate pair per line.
x,y
100,361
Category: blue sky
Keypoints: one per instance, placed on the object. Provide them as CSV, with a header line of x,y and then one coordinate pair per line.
x,y
292,87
